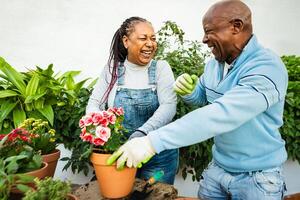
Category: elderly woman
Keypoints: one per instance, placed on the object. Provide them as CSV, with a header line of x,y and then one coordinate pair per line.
x,y
142,86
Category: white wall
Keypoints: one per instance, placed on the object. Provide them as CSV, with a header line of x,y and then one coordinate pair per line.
x,y
76,34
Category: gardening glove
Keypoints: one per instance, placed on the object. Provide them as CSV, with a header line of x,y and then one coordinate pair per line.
x,y
185,84
134,153
137,133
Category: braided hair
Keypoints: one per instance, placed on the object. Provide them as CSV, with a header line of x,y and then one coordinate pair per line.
x,y
118,52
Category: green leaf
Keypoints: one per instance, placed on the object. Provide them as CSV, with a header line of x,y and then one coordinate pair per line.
x,y
19,116
23,188
6,108
32,85
34,97
7,93
13,76
24,178
47,112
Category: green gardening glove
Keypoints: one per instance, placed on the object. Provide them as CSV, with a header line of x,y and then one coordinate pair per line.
x,y
185,84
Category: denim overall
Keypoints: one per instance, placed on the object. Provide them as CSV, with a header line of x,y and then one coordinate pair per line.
x,y
139,105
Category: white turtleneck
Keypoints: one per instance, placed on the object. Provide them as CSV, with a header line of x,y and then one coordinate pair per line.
x,y
136,77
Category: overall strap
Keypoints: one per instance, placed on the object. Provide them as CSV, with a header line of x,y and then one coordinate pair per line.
x,y
121,73
152,73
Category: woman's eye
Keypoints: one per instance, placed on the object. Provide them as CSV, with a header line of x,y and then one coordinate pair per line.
x,y
143,39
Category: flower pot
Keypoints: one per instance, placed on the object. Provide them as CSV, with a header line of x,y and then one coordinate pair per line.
x,y
51,159
72,197
113,183
39,173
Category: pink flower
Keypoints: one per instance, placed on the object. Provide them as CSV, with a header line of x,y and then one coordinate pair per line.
x,y
98,141
103,133
88,120
88,138
81,123
120,111
97,118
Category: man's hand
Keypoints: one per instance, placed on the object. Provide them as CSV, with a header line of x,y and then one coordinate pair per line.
x,y
185,84
134,153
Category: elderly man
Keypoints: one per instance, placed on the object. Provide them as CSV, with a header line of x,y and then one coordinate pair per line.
x,y
243,90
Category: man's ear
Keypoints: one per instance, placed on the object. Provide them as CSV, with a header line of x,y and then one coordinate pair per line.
x,y
238,25
125,41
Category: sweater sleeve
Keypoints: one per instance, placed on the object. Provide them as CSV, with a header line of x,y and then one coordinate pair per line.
x,y
94,102
254,93
166,97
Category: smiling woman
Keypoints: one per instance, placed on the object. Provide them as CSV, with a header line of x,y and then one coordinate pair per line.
x,y
142,87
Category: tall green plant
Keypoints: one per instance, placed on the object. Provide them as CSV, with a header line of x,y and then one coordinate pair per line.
x,y
23,95
185,56
291,127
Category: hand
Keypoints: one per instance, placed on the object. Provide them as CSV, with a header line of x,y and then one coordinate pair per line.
x,y
137,133
185,84
134,152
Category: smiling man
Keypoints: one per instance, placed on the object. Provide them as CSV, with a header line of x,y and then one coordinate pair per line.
x,y
242,91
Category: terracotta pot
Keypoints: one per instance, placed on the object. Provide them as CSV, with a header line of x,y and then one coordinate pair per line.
x,y
39,173
113,183
292,197
51,159
72,197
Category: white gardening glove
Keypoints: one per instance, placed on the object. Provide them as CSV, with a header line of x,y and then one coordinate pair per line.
x,y
134,153
137,133
185,84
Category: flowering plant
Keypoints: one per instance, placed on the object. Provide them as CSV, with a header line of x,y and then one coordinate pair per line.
x,y
14,148
41,135
104,129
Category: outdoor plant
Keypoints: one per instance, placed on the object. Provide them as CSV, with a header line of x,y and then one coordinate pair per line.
x,y
48,188
185,56
9,177
291,126
103,130
42,136
15,149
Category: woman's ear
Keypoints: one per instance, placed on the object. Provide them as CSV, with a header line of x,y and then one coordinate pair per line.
x,y
125,41
238,25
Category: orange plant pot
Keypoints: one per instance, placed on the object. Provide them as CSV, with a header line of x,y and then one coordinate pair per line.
x,y
39,173
51,159
113,183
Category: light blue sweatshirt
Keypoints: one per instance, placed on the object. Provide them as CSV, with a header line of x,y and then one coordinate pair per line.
x,y
243,115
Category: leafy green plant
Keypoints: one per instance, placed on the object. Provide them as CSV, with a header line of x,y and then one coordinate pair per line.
x,y
291,127
66,124
48,188
9,177
185,56
14,148
16,158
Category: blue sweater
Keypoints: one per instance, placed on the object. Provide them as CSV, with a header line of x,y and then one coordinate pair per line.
x,y
243,114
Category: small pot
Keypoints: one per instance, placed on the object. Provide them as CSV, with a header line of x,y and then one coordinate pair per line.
x,y
72,197
51,159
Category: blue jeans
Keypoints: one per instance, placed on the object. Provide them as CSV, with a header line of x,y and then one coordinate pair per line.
x,y
259,185
167,161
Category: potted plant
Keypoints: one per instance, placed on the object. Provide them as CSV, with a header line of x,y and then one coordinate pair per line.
x,y
42,139
18,163
49,188
103,130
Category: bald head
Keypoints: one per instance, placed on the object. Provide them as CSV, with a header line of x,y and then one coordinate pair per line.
x,y
227,29
231,10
